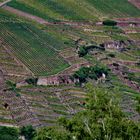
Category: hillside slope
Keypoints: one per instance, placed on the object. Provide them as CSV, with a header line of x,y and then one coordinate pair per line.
x,y
77,10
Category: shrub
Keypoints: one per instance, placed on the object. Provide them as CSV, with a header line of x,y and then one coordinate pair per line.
x,y
93,72
109,23
111,55
82,51
32,81
8,133
28,131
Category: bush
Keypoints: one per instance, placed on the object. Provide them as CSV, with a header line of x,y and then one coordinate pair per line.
x,y
32,81
8,133
93,72
111,55
138,108
52,133
109,23
84,50
11,85
28,131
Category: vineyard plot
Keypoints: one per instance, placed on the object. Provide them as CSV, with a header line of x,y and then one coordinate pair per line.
x,y
50,103
31,47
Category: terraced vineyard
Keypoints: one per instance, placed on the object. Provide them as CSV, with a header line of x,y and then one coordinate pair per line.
x,y
5,114
32,47
42,106
40,46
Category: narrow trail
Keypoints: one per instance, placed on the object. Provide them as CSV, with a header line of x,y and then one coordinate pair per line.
x,y
4,3
40,20
7,125
26,15
43,21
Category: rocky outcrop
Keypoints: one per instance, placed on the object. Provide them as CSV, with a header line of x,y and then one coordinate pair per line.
x,y
117,45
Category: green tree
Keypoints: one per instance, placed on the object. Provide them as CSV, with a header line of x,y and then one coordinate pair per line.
x,y
138,104
32,81
82,74
8,133
109,23
93,72
28,131
11,85
52,134
82,51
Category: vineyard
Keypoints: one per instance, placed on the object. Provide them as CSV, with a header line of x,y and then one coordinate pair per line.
x,y
32,47
51,103
55,11
5,114
72,10
41,106
40,48
43,43
119,8
13,68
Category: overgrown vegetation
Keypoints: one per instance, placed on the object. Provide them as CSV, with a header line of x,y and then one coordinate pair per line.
x,y
138,104
92,72
8,133
84,50
11,133
28,132
32,81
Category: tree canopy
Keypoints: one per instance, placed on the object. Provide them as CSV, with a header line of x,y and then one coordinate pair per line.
x,y
93,72
8,133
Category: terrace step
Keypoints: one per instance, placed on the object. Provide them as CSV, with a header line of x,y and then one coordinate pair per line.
x,y
20,112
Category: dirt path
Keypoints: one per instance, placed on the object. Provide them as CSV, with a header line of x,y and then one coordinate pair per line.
x,y
26,15
7,125
3,3
124,21
127,20
42,21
